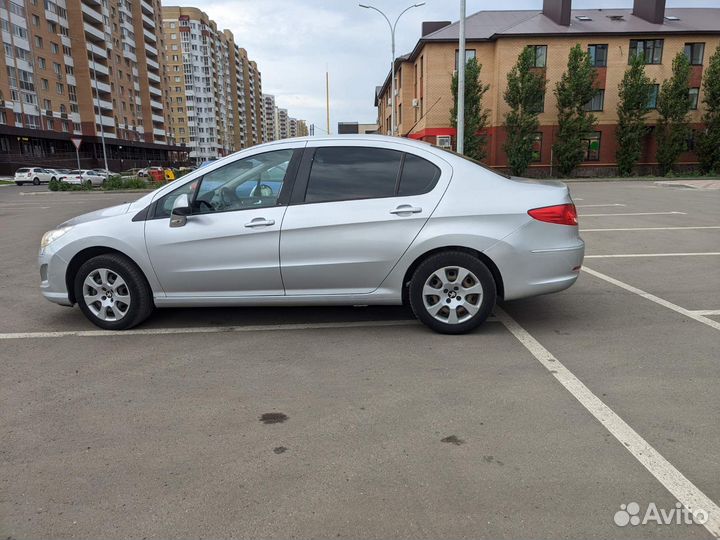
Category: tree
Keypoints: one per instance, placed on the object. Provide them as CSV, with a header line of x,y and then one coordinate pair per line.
x,y
476,117
634,91
708,147
673,129
573,91
524,94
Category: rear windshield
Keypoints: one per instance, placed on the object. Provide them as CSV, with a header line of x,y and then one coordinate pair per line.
x,y
475,161
23,170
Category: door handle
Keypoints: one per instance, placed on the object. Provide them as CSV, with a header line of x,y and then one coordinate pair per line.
x,y
406,209
260,222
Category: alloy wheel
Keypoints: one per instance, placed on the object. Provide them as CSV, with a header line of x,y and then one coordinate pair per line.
x,y
452,294
106,294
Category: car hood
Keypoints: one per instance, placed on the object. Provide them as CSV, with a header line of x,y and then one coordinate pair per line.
x,y
99,214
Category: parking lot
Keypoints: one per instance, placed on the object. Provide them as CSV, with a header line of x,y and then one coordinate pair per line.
x,y
359,422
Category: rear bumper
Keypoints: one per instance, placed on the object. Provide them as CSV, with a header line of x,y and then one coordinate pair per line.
x,y
531,272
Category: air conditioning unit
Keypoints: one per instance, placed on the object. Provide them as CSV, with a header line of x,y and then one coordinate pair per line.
x,y
444,141
416,103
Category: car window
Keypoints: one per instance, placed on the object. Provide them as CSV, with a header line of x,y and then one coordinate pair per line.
x,y
22,170
418,176
253,182
344,173
163,207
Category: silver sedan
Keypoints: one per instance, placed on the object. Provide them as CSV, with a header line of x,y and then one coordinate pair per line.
x,y
321,221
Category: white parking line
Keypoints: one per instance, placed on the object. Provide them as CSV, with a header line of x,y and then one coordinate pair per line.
x,y
706,311
636,214
653,298
598,205
626,255
203,329
674,481
653,228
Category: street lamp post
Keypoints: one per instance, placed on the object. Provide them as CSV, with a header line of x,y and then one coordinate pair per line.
x,y
97,96
393,26
461,83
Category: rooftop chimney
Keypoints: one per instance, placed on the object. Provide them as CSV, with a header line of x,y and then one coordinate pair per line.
x,y
428,27
651,10
558,11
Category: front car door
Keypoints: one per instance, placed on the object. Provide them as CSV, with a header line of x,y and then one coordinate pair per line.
x,y
356,207
229,246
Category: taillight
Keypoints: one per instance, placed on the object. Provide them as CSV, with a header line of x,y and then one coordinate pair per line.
x,y
561,214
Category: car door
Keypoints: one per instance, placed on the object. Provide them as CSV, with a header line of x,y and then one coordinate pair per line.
x,y
356,208
229,245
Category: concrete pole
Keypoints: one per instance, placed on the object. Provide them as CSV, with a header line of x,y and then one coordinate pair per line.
x,y
461,83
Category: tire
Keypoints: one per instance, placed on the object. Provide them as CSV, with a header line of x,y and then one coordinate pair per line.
x,y
53,179
36,181
19,183
450,311
89,184
108,311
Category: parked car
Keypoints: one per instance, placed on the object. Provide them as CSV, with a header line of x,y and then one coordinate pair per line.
x,y
147,171
83,176
34,175
105,173
364,220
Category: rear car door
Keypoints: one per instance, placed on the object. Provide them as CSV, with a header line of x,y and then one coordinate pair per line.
x,y
229,246
355,209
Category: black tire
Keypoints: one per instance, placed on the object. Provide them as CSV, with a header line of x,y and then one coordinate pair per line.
x,y
53,179
20,183
36,181
89,184
484,303
141,300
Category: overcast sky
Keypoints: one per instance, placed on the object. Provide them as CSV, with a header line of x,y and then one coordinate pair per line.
x,y
294,40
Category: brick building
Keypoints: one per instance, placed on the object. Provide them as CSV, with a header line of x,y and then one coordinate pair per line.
x,y
496,38
82,68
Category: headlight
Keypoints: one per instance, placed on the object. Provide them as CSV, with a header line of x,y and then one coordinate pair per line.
x,y
53,235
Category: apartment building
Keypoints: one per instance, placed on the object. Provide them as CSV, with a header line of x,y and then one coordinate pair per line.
x,y
201,95
496,38
269,113
82,68
292,127
254,102
282,124
302,128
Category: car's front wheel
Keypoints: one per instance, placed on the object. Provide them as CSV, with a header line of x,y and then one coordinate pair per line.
x,y
112,292
452,292
20,183
36,181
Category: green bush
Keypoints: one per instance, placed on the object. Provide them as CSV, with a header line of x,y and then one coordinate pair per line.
x,y
57,185
116,182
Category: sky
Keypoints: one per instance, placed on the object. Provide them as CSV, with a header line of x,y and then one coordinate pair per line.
x,y
295,41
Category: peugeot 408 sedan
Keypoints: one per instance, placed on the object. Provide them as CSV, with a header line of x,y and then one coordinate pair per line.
x,y
321,221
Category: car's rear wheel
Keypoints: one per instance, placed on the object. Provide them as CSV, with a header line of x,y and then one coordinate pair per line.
x,y
452,292
36,181
112,292
20,183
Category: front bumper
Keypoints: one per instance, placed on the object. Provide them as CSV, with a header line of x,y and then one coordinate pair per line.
x,y
52,277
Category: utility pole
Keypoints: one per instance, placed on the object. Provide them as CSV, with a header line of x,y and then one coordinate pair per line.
x,y
327,99
97,97
461,83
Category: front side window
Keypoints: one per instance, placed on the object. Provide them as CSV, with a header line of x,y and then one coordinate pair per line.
x,y
345,173
650,50
598,55
695,53
253,182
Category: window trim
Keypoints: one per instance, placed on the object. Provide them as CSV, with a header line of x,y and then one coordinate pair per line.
x,y
689,56
644,41
302,179
535,48
607,51
151,211
598,92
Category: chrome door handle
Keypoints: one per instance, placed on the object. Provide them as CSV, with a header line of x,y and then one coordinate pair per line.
x,y
260,222
406,209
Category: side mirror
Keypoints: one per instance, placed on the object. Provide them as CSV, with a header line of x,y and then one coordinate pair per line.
x,y
180,211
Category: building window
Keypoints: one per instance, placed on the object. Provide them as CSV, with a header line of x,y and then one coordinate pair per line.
x,y
598,55
652,101
38,42
540,55
695,52
597,102
537,147
694,94
592,147
469,55
541,105
54,48
59,89
649,49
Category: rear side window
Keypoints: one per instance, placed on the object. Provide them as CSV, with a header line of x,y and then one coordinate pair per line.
x,y
345,173
418,176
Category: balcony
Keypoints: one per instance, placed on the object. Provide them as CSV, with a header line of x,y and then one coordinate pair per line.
x,y
153,77
99,52
159,132
90,14
151,49
155,104
152,63
155,91
157,118
147,6
148,22
92,33
97,67
103,104
101,86
51,16
150,36
106,120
